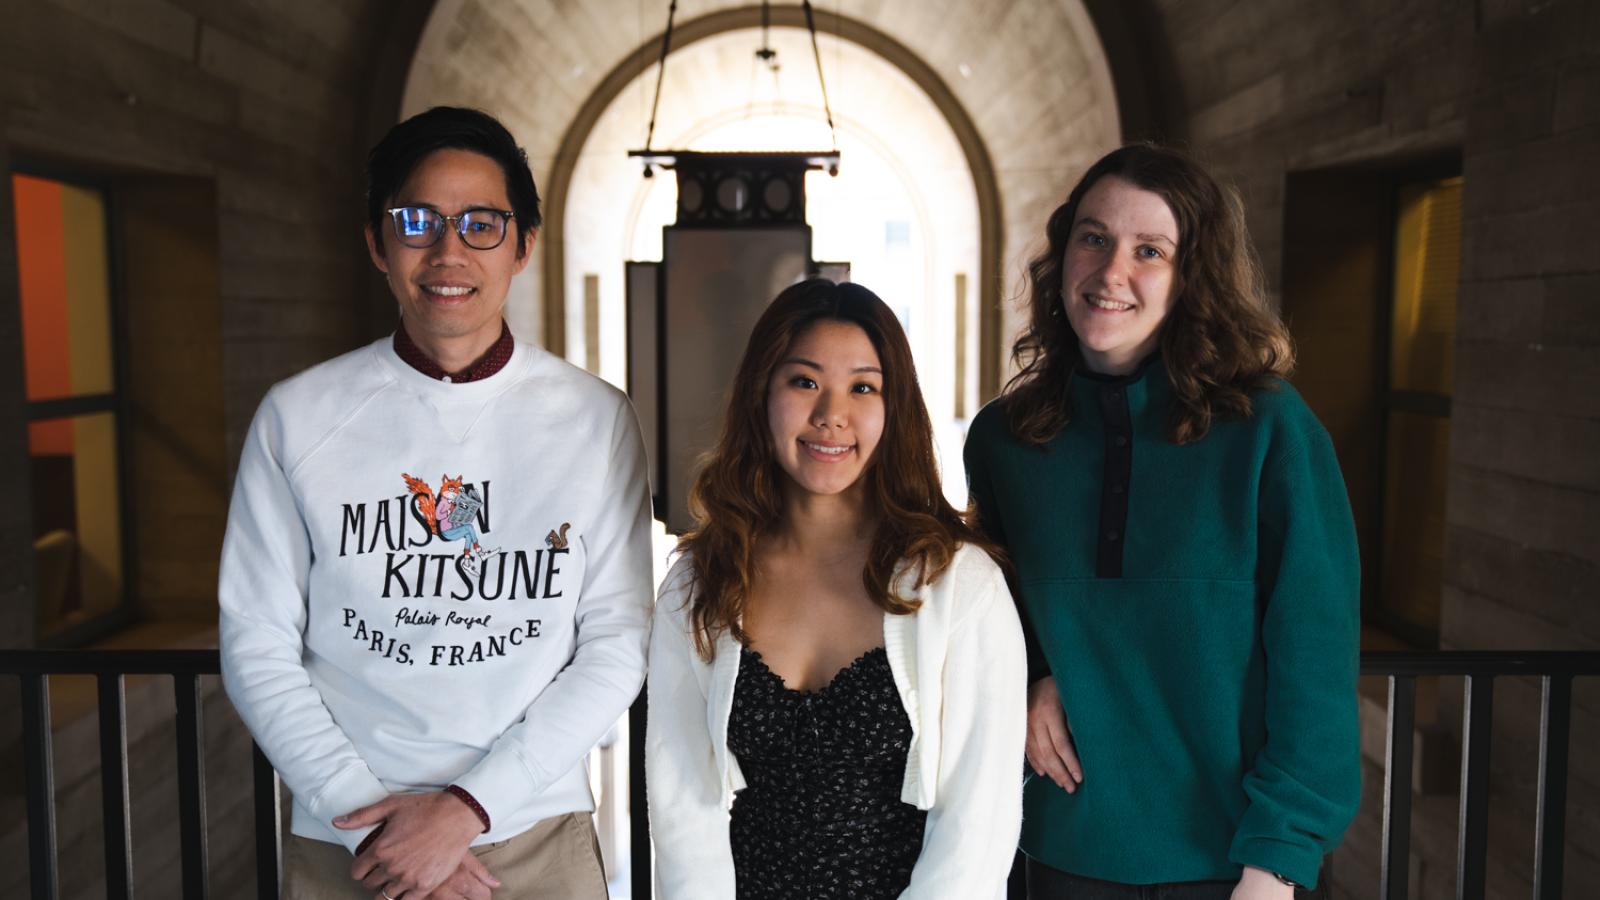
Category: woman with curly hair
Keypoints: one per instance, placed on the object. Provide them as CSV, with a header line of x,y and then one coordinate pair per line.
x,y
837,673
1184,554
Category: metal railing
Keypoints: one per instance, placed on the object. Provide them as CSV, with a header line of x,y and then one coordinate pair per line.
x,y
110,669
1556,670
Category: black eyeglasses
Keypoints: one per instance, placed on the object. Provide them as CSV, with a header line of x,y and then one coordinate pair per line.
x,y
420,227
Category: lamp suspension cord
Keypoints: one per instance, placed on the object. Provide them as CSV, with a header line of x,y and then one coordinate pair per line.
x,y
666,47
811,26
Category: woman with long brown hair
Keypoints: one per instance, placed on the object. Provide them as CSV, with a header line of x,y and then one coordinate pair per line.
x,y
837,676
1184,554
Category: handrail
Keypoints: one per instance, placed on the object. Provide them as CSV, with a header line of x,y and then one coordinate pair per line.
x,y
1480,662
109,662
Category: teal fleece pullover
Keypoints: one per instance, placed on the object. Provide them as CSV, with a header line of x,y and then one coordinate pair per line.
x,y
1199,608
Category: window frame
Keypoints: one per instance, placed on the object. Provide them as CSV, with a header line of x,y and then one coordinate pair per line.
x,y
114,402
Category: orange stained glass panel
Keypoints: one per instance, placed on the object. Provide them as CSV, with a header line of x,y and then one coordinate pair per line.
x,y
63,271
42,274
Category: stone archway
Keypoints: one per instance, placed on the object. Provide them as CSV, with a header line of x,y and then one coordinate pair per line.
x,y
646,56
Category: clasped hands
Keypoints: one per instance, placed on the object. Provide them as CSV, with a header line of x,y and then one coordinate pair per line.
x,y
422,850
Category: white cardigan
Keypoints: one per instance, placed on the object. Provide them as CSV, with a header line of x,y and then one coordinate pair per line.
x,y
960,667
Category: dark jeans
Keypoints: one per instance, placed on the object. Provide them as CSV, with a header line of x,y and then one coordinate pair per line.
x,y
1046,883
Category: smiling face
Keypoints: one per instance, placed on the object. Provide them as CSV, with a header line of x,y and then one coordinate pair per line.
x,y
1119,274
449,292
825,408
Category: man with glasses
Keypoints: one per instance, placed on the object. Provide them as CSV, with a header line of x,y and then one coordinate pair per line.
x,y
435,583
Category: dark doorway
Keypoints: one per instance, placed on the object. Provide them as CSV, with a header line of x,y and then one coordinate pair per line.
x,y
1371,269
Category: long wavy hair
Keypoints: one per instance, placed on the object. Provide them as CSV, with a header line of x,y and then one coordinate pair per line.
x,y
1220,339
737,496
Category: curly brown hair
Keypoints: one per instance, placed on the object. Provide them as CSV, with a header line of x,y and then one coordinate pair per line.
x,y
737,496
1219,342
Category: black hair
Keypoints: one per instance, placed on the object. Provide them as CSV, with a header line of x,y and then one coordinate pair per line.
x,y
450,128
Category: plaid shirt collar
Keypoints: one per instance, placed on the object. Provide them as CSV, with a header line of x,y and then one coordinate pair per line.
x,y
492,361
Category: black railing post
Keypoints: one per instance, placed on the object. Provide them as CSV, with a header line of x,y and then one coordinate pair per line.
x,y
638,805
39,769
1473,835
1555,727
191,786
269,826
114,786
1395,869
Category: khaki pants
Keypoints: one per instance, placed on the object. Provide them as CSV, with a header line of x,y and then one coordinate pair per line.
x,y
559,859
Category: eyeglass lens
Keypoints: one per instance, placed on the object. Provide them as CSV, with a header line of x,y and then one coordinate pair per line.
x,y
419,226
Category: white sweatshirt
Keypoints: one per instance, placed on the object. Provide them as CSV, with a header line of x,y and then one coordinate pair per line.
x,y
367,654
961,670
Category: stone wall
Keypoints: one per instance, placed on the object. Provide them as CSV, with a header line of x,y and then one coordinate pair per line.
x,y
1523,546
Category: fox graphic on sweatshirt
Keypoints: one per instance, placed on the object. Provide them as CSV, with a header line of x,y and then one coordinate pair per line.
x,y
451,513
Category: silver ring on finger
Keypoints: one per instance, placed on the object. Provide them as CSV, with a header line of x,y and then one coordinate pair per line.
x,y
385,892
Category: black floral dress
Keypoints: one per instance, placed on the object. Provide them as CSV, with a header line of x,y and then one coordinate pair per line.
x,y
820,816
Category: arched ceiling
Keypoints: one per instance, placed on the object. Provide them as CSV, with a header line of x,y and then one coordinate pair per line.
x,y
1029,74
1023,69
